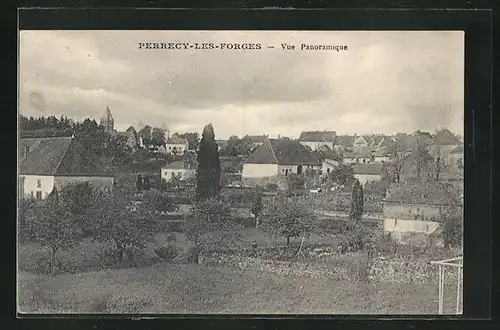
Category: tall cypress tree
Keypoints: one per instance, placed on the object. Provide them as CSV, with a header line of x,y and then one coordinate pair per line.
x,y
209,170
356,202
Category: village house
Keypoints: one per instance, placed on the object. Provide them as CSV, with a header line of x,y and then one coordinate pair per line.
x,y
344,143
317,139
180,170
382,155
360,155
329,165
48,163
176,145
368,173
130,139
277,158
418,207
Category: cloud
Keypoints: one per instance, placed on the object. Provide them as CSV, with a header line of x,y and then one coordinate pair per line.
x,y
385,82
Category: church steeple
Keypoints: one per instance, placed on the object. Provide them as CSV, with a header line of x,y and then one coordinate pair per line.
x,y
107,120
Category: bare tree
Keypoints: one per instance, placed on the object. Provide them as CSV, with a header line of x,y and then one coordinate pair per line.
x,y
438,162
420,154
399,151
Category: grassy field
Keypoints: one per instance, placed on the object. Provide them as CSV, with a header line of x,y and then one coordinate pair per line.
x,y
170,288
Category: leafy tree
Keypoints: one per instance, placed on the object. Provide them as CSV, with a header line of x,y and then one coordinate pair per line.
x,y
27,211
158,137
342,175
209,225
209,168
356,212
128,228
452,225
146,135
77,199
146,183
290,220
53,227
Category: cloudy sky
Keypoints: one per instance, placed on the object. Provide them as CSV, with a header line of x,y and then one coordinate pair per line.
x,y
385,82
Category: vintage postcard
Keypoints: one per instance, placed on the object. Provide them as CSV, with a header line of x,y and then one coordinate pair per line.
x,y
240,172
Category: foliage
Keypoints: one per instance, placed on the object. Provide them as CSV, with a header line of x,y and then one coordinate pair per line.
x,y
257,204
78,200
26,214
156,203
295,182
139,183
356,212
127,228
357,237
290,219
53,227
452,225
168,252
158,137
192,139
342,175
210,216
146,135
209,169
437,162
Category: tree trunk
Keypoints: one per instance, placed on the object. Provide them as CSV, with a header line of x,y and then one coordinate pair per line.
x,y
287,240
256,222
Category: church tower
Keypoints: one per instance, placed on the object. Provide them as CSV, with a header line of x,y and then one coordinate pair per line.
x,y
107,121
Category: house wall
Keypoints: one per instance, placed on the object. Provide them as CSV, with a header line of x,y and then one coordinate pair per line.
x,y
328,167
364,178
292,169
398,227
30,185
411,212
168,173
97,182
259,170
352,160
314,145
180,148
381,159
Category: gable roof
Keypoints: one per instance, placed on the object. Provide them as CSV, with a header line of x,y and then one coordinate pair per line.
x,y
360,140
458,150
318,136
431,193
373,169
282,152
257,138
363,152
58,156
445,137
127,134
176,140
344,140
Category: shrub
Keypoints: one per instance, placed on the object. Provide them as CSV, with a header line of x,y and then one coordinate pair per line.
x,y
358,237
452,225
166,253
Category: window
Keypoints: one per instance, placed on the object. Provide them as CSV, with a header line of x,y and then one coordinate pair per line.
x,y
364,160
39,183
32,194
327,170
38,195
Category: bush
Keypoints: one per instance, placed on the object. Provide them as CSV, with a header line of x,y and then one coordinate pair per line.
x,y
452,231
358,237
167,253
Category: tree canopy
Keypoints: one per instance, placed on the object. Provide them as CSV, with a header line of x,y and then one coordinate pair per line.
x,y
209,168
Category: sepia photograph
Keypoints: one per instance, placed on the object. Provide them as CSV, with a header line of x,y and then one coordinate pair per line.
x,y
240,172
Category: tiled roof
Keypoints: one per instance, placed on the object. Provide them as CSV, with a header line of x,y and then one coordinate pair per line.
x,y
282,152
431,193
318,136
382,152
257,138
373,169
345,140
445,137
176,140
363,152
458,150
59,156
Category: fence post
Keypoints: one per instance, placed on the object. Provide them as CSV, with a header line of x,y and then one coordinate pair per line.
x,y
441,282
459,275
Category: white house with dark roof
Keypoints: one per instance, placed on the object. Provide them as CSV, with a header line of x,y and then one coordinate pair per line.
x,y
45,163
176,145
367,173
359,155
181,170
417,207
277,158
317,139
